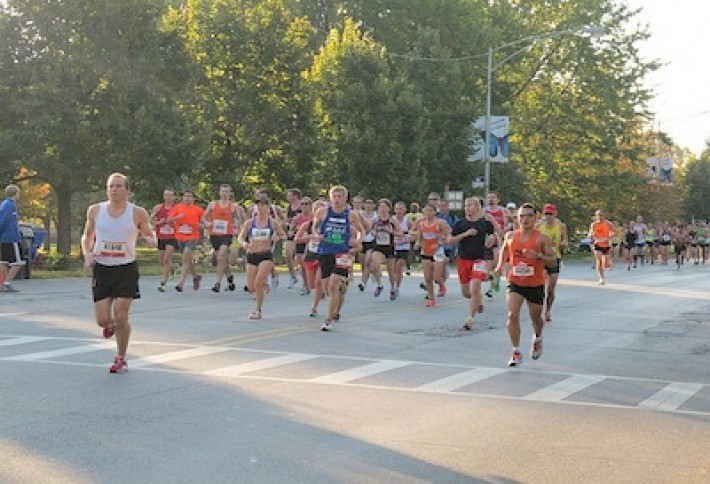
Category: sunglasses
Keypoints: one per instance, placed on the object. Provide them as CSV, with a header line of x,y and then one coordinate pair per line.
x,y
527,215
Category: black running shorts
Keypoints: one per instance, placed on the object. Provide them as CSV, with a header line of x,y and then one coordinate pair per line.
x,y
115,281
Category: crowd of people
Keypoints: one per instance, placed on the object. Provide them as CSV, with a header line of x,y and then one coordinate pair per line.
x,y
324,238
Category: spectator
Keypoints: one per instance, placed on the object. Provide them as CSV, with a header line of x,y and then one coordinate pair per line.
x,y
10,238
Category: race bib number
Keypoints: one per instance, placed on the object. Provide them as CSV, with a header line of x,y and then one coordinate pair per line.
x,y
260,234
220,226
522,270
666,238
112,249
313,246
480,267
166,230
185,229
342,261
439,255
383,238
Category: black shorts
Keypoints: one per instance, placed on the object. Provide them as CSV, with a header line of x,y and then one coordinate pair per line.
x,y
401,254
534,294
603,250
258,257
115,281
554,270
427,257
367,246
218,241
679,249
163,243
10,253
300,248
386,250
327,265
488,253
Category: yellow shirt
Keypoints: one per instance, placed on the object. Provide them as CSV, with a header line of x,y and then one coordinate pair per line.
x,y
555,233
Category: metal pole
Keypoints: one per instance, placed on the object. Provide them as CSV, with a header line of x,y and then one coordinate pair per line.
x,y
486,148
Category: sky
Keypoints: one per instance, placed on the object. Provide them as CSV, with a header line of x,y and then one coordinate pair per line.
x,y
679,39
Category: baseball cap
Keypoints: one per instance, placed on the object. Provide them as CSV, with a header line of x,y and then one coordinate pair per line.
x,y
511,205
549,209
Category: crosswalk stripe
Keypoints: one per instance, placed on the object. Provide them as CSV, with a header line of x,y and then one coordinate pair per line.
x,y
671,396
237,370
563,389
360,372
22,340
459,380
174,356
73,350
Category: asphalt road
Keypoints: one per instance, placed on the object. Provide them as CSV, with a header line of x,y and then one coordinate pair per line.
x,y
396,393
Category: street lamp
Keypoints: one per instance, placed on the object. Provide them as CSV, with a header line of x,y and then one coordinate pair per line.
x,y
489,82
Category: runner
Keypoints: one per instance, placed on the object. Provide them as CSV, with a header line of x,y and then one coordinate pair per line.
x,y
306,236
640,229
109,245
557,232
665,242
257,236
473,234
368,215
187,220
166,235
498,214
385,228
448,249
305,215
222,220
332,226
527,251
600,231
430,231
680,244
629,244
402,245
293,209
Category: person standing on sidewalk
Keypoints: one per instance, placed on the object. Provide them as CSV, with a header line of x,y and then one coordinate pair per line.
x,y
109,247
10,238
527,251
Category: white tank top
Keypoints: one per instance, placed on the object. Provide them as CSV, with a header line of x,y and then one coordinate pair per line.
x,y
401,242
115,237
372,218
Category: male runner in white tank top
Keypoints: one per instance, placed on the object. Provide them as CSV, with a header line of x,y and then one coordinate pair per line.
x,y
109,245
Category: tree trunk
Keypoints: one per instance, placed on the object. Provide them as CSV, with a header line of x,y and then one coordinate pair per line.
x,y
64,195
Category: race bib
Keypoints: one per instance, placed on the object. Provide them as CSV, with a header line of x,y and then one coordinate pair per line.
x,y
112,249
342,261
313,246
666,238
522,270
480,267
166,230
260,234
185,229
383,238
219,226
439,255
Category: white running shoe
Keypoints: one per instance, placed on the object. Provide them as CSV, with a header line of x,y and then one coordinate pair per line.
x,y
515,359
536,348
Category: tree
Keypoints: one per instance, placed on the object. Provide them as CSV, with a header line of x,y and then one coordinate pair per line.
x,y
90,87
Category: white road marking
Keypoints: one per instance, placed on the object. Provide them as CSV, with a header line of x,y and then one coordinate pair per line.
x,y
265,364
22,340
563,389
672,396
460,380
73,350
351,374
175,355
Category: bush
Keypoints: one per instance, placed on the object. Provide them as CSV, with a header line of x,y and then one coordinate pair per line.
x,y
55,261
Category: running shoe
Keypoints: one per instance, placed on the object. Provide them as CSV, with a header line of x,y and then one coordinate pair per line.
x,y
196,282
230,283
422,286
548,317
536,348
468,324
305,291
119,365
393,295
442,290
515,359
601,282
327,325
430,303
314,313
255,314
109,331
378,291
336,317
9,288
178,288
275,280
216,287
489,294
361,286
161,287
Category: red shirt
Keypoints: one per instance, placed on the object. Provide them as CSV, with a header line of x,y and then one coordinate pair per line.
x,y
187,227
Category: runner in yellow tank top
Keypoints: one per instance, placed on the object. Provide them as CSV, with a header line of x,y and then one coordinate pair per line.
x,y
557,232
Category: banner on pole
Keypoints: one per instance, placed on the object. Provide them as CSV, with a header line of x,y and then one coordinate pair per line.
x,y
499,147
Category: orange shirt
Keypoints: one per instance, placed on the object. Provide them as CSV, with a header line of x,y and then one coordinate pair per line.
x,y
187,228
222,219
601,231
525,271
430,236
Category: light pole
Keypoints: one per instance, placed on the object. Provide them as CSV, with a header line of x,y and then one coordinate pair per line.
x,y
528,41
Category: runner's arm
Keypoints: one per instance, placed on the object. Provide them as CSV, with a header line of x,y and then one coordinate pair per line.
x,y
88,238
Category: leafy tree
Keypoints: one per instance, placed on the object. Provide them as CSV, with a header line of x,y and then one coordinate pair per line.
x,y
88,88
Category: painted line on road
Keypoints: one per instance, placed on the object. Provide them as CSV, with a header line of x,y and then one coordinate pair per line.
x,y
23,340
563,389
460,380
238,370
175,356
73,350
658,291
363,371
672,396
